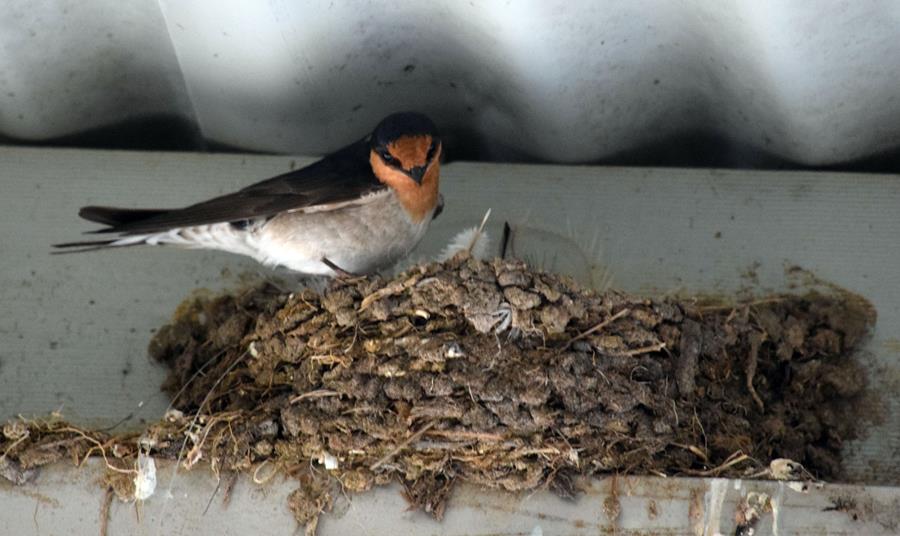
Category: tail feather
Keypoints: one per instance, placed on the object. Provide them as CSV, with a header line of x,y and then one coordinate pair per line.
x,y
222,236
116,217
80,247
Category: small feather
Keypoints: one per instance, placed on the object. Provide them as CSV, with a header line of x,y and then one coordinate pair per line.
x,y
463,241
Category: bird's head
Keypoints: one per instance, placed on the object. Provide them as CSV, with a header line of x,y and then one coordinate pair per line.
x,y
406,144
405,155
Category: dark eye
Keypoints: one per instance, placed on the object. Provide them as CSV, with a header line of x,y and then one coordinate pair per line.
x,y
386,156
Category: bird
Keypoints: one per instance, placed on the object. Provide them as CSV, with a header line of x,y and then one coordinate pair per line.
x,y
353,212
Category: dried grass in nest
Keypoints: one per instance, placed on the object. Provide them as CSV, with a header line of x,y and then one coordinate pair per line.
x,y
491,373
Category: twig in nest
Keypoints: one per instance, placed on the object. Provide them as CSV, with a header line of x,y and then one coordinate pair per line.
x,y
697,451
466,435
442,445
181,451
262,480
598,327
394,288
521,453
756,340
702,430
330,359
193,455
732,460
396,450
213,496
99,446
193,377
645,350
318,393
14,444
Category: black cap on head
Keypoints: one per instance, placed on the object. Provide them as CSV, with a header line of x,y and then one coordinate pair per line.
x,y
401,124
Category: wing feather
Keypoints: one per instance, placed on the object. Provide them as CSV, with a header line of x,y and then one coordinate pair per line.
x,y
331,182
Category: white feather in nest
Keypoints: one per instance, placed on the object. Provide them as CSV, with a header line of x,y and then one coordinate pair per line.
x,y
573,251
474,240
460,242
463,240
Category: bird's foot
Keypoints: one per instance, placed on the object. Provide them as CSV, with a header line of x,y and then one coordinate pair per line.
x,y
339,272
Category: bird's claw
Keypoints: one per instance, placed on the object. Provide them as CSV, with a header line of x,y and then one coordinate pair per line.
x,y
339,272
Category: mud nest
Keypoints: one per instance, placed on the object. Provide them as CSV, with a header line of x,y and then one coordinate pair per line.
x,y
491,373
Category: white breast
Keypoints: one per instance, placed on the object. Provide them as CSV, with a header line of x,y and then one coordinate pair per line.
x,y
360,238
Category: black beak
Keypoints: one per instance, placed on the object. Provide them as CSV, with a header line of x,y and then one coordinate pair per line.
x,y
417,173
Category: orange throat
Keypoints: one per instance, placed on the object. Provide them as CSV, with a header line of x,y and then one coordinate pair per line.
x,y
419,200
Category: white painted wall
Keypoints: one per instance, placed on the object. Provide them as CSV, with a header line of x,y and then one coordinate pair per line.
x,y
566,81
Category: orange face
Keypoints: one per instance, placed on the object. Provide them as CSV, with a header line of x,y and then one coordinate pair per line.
x,y
411,167
411,152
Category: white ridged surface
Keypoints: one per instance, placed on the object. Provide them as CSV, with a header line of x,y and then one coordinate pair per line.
x,y
68,65
568,81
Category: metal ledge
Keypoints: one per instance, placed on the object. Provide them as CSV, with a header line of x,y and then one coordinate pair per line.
x,y
67,500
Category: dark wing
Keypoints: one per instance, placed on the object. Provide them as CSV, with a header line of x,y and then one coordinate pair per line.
x,y
340,177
